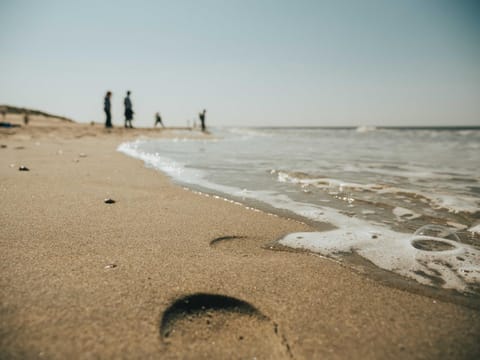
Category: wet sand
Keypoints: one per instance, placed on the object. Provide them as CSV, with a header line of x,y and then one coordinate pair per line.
x,y
168,273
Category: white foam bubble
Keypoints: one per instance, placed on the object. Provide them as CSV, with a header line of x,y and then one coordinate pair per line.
x,y
457,225
323,182
475,229
457,268
403,214
171,167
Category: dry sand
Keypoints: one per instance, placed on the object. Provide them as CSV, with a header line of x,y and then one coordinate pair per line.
x,y
82,279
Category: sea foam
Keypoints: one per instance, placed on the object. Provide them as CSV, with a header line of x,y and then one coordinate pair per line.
x,y
456,268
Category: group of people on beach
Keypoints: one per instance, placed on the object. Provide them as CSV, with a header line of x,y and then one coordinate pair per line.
x,y
127,102
107,106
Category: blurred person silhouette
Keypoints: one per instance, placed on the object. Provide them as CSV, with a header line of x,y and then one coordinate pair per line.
x,y
201,116
107,108
26,118
158,120
128,111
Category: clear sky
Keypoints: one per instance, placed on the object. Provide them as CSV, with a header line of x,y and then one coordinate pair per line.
x,y
248,62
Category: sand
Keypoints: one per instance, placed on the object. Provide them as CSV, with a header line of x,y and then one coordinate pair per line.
x,y
144,278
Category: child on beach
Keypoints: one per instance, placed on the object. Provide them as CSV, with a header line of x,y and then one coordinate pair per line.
x,y
158,120
202,119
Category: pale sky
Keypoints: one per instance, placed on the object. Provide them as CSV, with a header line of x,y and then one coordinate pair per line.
x,y
249,63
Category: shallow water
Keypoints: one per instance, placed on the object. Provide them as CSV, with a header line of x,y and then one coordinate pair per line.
x,y
377,187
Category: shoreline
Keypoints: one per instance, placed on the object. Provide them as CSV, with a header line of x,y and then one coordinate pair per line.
x,y
350,260
60,298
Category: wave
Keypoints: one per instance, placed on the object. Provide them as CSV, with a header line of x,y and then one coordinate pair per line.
x,y
453,203
249,132
364,129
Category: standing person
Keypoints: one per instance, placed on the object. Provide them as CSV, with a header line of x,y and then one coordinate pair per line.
x,y
128,111
202,119
107,107
158,120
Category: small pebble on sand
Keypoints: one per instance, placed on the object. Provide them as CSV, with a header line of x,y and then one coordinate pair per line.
x,y
109,201
23,168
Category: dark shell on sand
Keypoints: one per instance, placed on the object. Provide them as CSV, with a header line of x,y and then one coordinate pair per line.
x,y
109,201
23,168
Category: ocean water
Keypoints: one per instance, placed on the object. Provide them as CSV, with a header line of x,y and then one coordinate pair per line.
x,y
406,200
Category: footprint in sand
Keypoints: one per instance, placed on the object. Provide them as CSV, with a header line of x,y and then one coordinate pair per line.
x,y
217,326
241,245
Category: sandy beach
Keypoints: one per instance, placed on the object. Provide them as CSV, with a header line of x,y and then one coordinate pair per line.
x,y
168,273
